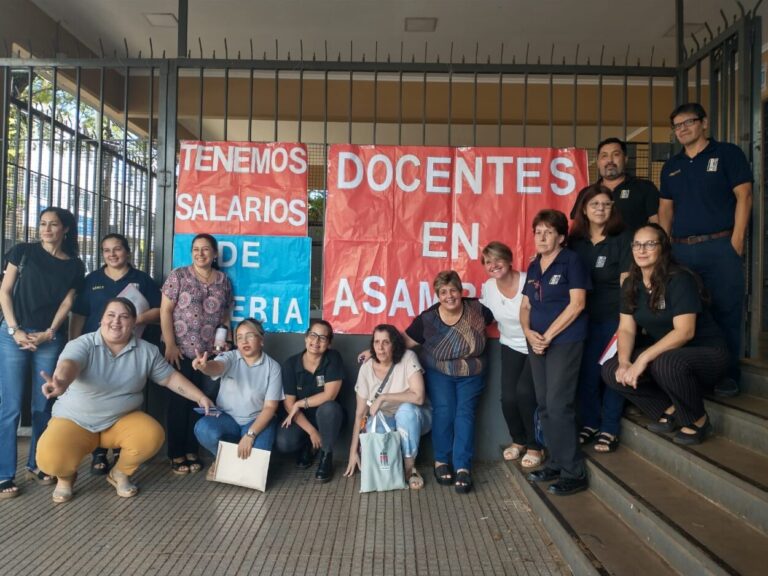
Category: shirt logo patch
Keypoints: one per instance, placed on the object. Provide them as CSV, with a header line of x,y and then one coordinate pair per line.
x,y
662,303
320,380
675,173
600,263
624,194
712,165
555,280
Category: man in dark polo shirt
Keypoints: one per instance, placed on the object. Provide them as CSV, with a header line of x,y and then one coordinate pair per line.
x,y
636,199
706,200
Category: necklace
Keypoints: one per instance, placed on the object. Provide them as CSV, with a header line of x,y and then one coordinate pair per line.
x,y
206,278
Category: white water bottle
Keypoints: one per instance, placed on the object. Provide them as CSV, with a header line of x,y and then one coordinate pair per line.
x,y
220,340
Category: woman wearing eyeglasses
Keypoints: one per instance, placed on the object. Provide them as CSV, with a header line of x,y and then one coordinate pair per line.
x,y
311,382
555,326
682,355
598,237
249,394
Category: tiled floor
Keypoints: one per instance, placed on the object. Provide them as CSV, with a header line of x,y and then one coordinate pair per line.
x,y
185,525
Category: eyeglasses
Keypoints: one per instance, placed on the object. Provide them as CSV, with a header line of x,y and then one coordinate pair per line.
x,y
599,205
685,124
322,338
643,246
248,337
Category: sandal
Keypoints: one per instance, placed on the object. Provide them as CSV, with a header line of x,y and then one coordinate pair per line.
x,y
194,464
61,495
415,481
513,452
8,489
664,424
532,459
99,463
697,437
606,443
463,482
444,474
180,467
41,477
124,487
210,476
587,434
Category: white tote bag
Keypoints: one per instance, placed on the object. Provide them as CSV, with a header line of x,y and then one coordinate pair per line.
x,y
249,473
381,459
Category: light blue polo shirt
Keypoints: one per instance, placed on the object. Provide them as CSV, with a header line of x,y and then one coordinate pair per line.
x,y
244,389
108,387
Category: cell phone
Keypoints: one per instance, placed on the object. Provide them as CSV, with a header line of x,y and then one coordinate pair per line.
x,y
212,412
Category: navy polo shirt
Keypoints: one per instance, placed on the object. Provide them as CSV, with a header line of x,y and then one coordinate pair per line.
x,y
636,199
302,384
606,261
100,288
549,294
702,188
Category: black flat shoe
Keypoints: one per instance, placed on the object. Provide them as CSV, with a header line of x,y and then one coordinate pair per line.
x,y
306,458
566,486
544,475
665,425
695,438
463,482
325,469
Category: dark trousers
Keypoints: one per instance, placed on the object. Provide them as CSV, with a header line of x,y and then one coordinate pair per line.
x,y
180,418
518,397
327,418
677,377
600,407
555,377
722,271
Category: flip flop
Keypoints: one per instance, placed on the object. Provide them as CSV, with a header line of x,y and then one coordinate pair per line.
x,y
8,489
513,452
99,464
416,481
531,460
41,477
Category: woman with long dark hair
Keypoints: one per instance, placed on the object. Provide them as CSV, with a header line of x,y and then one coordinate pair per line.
x,y
598,237
196,300
39,286
682,353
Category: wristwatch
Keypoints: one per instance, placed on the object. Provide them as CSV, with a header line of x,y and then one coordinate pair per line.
x,y
12,329
251,434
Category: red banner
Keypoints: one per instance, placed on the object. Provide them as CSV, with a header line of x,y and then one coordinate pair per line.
x,y
398,215
242,188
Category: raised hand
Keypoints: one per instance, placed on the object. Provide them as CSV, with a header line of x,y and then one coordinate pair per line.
x,y
200,362
53,386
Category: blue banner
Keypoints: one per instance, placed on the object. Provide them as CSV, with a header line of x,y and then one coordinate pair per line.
x,y
270,276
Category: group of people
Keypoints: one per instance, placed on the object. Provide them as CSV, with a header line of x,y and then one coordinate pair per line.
x,y
636,263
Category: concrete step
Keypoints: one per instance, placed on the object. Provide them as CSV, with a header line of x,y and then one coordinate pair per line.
x,y
722,471
754,379
589,536
691,533
743,420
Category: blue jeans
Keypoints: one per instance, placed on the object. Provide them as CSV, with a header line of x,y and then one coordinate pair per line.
x,y
411,421
15,366
454,402
210,429
600,407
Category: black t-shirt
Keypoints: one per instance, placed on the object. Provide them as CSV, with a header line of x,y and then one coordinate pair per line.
x,y
636,199
302,384
606,261
681,296
45,281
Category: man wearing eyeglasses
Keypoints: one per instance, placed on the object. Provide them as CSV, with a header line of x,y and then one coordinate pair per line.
x,y
636,199
706,200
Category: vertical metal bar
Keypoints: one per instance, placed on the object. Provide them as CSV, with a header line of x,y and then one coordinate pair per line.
x,y
124,176
681,91
733,131
4,122
714,88
450,104
301,96
424,113
277,101
525,107
400,110
40,143
148,247
698,80
575,107
250,106
183,24
28,154
599,107
226,103
52,137
201,111
725,84
349,113
650,128
167,161
375,102
625,110
99,188
325,111
500,108
474,110
551,105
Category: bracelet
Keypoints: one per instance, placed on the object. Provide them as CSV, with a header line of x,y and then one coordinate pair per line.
x,y
52,333
306,403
